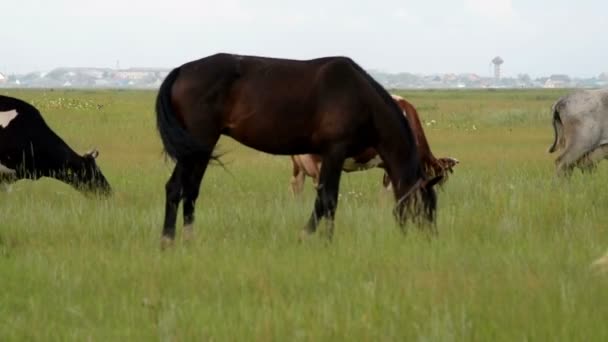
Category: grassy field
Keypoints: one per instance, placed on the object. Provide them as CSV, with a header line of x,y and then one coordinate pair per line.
x,y
511,262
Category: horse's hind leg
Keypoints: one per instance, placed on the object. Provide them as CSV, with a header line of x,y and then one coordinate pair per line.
x,y
192,175
327,193
173,190
184,184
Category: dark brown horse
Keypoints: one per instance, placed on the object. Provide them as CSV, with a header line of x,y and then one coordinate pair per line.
x,y
328,106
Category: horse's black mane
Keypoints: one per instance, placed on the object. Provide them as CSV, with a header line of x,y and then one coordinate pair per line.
x,y
407,131
385,96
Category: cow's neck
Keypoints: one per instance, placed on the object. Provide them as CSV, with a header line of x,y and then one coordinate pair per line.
x,y
62,163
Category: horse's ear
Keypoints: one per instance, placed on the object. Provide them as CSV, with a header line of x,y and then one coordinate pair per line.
x,y
92,153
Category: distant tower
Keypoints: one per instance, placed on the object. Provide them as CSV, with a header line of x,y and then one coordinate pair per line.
x,y
497,61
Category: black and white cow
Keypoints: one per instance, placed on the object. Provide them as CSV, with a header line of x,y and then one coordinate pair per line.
x,y
29,149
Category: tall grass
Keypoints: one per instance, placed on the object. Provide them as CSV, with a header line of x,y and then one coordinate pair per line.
x,y
511,261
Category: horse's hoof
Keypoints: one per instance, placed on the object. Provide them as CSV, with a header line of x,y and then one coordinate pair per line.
x,y
166,242
328,232
188,234
304,235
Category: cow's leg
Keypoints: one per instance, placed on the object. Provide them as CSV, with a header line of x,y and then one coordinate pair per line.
x,y
579,139
5,186
327,192
589,162
298,177
587,168
586,165
307,166
602,153
312,168
315,181
7,177
563,169
386,182
173,191
5,183
575,149
192,175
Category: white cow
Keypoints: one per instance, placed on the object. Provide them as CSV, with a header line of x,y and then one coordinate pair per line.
x,y
580,122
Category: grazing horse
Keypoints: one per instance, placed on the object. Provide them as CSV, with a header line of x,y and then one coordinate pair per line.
x,y
29,149
310,164
328,106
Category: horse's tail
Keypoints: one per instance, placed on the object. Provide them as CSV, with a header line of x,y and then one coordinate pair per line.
x,y
177,142
558,126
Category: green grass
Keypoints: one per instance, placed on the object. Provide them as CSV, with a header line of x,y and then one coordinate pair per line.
x,y
511,262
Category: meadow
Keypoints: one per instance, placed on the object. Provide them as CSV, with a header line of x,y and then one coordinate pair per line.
x,y
511,262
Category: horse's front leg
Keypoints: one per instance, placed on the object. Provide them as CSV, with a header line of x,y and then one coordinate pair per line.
x,y
327,193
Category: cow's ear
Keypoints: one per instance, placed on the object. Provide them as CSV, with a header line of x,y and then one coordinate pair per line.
x,y
92,153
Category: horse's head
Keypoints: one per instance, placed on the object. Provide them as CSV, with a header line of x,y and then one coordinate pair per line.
x,y
429,196
419,201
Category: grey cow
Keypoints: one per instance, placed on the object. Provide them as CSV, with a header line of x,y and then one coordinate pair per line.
x,y
580,123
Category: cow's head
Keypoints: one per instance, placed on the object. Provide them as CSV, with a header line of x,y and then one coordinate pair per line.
x,y
88,177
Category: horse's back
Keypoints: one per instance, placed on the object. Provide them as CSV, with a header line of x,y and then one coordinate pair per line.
x,y
282,106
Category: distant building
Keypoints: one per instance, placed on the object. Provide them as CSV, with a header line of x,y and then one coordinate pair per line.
x,y
557,81
3,79
135,74
130,74
472,77
449,77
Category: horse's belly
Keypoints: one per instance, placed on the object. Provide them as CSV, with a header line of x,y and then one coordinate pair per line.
x,y
273,144
350,164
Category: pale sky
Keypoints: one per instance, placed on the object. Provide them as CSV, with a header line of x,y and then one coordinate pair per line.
x,y
538,37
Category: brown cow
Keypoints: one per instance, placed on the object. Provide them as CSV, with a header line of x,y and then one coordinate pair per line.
x,y
310,164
